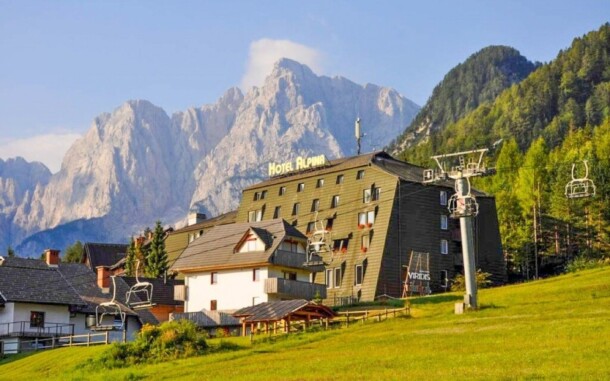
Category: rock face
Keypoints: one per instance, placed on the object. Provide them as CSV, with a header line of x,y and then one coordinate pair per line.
x,y
137,164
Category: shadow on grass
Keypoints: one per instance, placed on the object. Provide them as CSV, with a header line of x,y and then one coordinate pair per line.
x,y
5,359
435,299
490,307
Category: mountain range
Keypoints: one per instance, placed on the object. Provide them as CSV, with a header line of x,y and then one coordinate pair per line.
x,y
138,164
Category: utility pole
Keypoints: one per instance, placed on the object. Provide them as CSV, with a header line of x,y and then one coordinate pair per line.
x,y
358,133
463,205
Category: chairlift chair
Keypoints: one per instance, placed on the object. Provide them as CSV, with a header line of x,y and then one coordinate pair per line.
x,y
111,308
318,242
580,187
139,296
463,205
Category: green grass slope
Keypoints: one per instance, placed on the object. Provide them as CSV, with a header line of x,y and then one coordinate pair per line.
x,y
557,328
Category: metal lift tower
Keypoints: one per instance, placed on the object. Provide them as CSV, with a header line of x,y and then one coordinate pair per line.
x,y
460,167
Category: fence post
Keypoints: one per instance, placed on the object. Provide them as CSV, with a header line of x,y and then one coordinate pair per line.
x,y
347,320
124,335
386,313
53,342
366,316
107,337
88,338
70,341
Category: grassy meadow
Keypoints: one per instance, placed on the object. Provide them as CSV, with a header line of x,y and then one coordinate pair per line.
x,y
557,328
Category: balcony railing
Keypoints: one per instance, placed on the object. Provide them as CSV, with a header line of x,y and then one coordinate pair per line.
x,y
24,329
294,289
296,260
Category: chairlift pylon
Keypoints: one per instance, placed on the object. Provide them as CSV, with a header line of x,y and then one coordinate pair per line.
x,y
111,308
580,187
142,290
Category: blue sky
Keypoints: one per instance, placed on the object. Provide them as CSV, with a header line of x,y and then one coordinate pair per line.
x,y
64,62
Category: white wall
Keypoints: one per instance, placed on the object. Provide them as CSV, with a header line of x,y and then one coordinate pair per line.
x,y
6,314
235,289
278,272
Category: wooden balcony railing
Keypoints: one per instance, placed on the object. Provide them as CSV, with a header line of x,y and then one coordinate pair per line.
x,y
294,289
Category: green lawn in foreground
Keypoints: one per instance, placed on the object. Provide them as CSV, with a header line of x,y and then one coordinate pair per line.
x,y
557,328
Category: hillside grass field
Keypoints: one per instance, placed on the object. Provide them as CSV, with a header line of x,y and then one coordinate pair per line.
x,y
557,328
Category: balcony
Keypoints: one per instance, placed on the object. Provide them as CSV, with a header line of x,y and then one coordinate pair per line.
x,y
297,260
23,329
294,289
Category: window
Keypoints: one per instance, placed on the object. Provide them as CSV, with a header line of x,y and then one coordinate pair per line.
x,y
289,275
337,277
213,305
366,219
263,194
329,224
335,202
257,196
366,196
358,275
315,205
339,179
292,246
251,245
329,278
340,244
282,191
444,246
310,227
89,321
376,193
295,208
444,222
444,198
214,278
320,183
256,275
255,215
300,187
36,319
277,213
443,279
360,174
365,243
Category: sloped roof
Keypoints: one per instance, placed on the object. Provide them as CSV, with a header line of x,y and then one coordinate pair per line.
x,y
223,219
274,311
209,319
216,247
104,254
33,281
163,291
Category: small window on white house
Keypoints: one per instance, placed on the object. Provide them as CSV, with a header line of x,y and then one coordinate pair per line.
x,y
36,319
443,198
214,278
256,275
444,222
444,246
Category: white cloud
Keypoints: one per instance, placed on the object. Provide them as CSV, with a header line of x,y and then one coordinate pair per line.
x,y
48,148
266,52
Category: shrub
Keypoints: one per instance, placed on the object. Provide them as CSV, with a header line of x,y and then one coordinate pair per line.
x,y
459,283
168,341
582,263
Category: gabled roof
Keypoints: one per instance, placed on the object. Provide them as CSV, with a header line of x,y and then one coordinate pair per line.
x,y
33,281
274,311
209,319
104,254
223,219
215,249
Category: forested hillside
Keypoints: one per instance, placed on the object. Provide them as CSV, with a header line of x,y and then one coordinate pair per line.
x,y
557,117
479,79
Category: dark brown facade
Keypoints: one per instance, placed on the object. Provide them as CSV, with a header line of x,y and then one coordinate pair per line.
x,y
377,211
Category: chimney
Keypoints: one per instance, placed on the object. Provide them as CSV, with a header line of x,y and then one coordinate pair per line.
x,y
51,257
103,277
195,218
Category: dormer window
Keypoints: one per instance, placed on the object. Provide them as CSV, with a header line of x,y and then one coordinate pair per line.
x,y
250,242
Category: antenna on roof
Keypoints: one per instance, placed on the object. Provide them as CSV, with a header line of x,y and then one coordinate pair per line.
x,y
358,133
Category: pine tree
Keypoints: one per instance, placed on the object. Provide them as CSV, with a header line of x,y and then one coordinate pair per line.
x,y
130,258
74,253
156,263
10,252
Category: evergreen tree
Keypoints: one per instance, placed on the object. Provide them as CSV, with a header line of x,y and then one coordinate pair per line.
x,y
156,263
131,258
74,253
10,252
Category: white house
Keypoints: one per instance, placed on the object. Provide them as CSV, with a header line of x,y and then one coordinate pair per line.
x,y
244,264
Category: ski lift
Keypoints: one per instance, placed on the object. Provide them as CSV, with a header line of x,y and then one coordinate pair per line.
x,y
140,294
109,309
581,187
318,242
463,205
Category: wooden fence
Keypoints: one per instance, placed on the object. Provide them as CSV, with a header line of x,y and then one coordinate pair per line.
x,y
88,339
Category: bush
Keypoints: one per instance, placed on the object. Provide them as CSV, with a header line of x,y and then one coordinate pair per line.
x,y
582,263
459,283
168,341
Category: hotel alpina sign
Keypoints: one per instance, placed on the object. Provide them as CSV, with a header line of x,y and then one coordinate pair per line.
x,y
277,169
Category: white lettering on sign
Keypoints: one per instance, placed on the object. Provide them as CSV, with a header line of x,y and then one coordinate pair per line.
x,y
419,276
276,169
